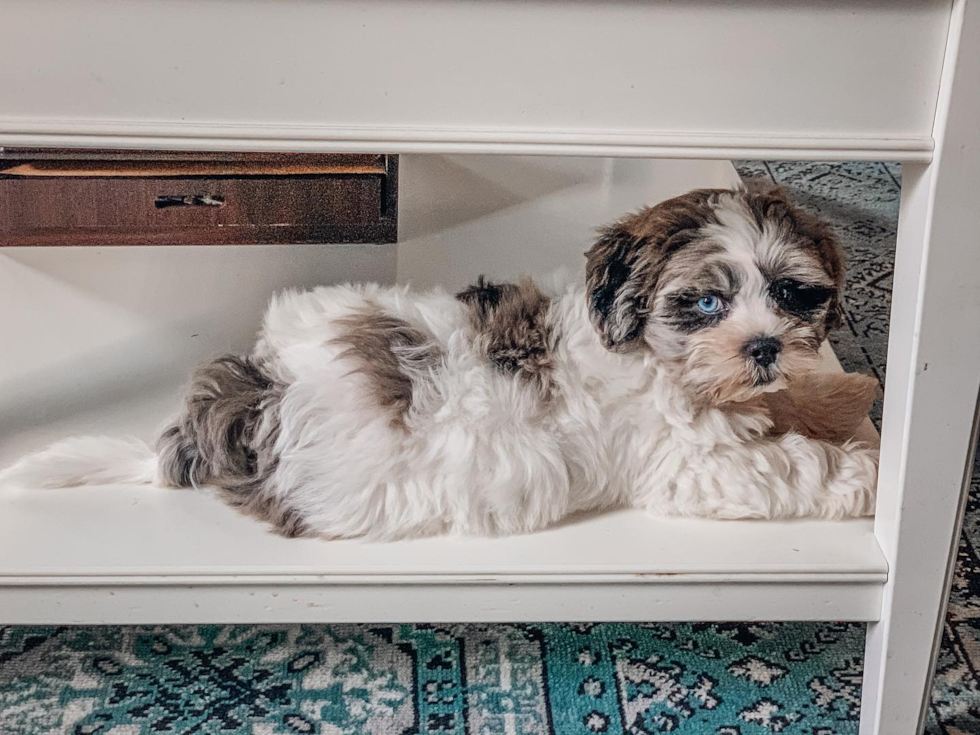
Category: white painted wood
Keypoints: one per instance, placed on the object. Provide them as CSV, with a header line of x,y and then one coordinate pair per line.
x,y
135,554
449,602
508,216
318,139
168,536
685,79
931,394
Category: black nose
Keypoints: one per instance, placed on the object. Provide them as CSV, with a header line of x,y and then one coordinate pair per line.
x,y
764,350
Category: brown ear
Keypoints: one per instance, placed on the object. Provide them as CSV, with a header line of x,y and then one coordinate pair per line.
x,y
614,285
831,254
623,266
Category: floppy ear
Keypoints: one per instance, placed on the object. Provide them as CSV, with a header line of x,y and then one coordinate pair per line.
x,y
614,282
623,266
831,255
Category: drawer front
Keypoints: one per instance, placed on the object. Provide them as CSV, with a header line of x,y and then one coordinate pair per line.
x,y
196,210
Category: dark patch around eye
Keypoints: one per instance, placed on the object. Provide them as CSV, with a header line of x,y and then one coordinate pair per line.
x,y
683,315
799,299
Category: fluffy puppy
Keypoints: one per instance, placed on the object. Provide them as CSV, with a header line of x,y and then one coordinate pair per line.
x,y
375,411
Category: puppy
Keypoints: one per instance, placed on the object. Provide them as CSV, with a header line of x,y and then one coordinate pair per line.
x,y
375,411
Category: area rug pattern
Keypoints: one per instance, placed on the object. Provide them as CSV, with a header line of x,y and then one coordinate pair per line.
x,y
547,679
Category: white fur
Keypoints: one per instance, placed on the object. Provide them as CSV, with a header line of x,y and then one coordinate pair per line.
x,y
87,460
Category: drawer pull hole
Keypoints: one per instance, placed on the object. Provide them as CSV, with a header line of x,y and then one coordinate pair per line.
x,y
191,200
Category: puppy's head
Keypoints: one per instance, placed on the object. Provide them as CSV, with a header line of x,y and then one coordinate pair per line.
x,y
736,288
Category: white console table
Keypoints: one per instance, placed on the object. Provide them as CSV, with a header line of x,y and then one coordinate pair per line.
x,y
625,79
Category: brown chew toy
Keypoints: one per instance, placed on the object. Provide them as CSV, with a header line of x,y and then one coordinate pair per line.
x,y
827,406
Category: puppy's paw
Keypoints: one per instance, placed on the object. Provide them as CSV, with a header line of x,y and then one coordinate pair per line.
x,y
855,485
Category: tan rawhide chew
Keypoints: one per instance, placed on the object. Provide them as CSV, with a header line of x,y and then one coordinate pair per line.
x,y
827,406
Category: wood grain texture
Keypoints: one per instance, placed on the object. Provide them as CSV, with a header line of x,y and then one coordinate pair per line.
x,y
191,200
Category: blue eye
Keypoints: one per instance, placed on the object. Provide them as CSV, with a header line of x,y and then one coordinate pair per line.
x,y
709,304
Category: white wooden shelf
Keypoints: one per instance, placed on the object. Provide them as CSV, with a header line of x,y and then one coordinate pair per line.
x,y
139,555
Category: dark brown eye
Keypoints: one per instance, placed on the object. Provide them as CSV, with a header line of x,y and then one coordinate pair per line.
x,y
798,298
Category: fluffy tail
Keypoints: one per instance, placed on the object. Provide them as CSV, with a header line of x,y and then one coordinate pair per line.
x,y
226,435
91,460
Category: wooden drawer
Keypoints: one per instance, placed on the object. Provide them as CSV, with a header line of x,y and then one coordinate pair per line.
x,y
77,198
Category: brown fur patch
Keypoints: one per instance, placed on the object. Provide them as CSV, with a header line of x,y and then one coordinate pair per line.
x,y
266,507
623,266
827,406
391,353
512,328
226,436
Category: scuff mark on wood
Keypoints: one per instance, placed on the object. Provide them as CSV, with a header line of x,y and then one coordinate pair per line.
x,y
189,200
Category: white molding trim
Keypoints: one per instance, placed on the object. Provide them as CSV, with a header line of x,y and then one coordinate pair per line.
x,y
302,138
358,580
277,602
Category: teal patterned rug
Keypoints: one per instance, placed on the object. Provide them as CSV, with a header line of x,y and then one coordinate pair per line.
x,y
472,679
561,679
